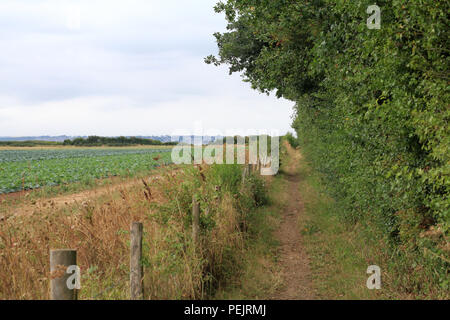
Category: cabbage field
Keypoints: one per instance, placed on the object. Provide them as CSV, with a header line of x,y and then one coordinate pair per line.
x,y
30,169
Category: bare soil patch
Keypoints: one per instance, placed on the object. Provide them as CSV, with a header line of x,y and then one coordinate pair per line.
x,y
67,200
293,260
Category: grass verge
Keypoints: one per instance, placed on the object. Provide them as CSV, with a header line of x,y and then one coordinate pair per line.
x,y
259,277
340,252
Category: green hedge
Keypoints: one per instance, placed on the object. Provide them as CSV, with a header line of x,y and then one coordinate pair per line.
x,y
372,111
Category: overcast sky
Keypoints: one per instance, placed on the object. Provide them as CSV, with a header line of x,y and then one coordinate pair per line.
x,y
107,67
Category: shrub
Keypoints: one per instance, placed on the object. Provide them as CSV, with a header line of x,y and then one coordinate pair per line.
x,y
291,139
371,110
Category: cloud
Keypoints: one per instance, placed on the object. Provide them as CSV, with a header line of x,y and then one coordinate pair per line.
x,y
117,115
119,67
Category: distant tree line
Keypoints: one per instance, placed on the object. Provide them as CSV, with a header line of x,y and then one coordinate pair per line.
x,y
114,141
29,143
246,138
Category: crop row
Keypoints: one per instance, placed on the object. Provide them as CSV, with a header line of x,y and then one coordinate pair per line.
x,y
45,154
23,175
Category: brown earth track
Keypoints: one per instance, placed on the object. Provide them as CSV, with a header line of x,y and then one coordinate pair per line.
x,y
80,197
293,259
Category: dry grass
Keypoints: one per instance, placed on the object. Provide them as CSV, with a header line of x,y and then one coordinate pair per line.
x,y
99,230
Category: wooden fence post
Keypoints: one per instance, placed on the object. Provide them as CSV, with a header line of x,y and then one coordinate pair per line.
x,y
244,173
60,260
136,268
195,220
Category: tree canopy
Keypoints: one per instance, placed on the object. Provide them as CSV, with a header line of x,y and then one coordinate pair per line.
x,y
372,106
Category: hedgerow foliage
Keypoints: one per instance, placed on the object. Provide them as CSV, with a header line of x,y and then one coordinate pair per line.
x,y
372,109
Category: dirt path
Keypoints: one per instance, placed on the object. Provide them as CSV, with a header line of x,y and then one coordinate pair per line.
x,y
293,259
